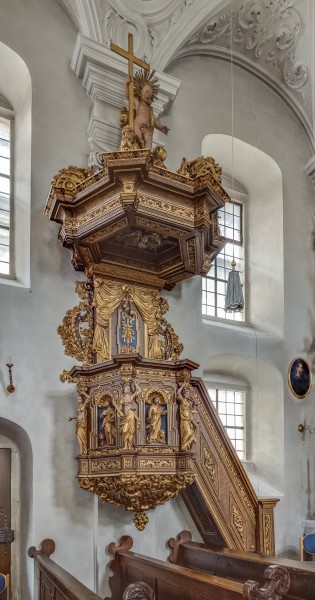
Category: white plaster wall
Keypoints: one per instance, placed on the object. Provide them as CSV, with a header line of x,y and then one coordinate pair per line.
x,y
44,37
41,33
203,106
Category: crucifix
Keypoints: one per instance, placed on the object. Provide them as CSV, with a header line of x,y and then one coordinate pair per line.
x,y
132,59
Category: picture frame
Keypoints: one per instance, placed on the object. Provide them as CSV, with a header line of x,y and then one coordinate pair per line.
x,y
300,377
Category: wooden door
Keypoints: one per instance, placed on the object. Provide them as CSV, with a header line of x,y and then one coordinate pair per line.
x,y
6,534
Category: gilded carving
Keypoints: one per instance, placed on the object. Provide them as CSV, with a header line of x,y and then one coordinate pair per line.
x,y
210,464
167,207
108,423
199,167
65,376
66,183
129,421
81,427
77,329
106,232
108,295
102,465
191,251
154,420
226,459
267,529
137,493
186,421
156,463
140,520
238,522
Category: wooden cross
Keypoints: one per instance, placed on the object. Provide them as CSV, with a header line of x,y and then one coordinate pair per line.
x,y
131,61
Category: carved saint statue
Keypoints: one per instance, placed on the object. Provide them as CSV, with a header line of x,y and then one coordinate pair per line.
x,y
108,424
145,91
187,426
81,429
154,426
129,421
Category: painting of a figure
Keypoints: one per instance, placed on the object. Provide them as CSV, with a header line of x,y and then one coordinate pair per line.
x,y
300,377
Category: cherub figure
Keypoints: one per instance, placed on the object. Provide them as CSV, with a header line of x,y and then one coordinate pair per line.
x,y
145,91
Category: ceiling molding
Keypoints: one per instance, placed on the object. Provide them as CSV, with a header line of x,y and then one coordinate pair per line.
x,y
258,71
267,38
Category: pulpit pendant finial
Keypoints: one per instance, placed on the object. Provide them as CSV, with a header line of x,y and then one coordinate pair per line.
x,y
132,59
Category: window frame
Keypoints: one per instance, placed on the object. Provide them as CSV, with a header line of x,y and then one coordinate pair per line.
x,y
226,387
8,114
228,319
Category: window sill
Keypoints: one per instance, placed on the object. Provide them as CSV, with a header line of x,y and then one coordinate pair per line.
x,y
239,326
227,323
11,280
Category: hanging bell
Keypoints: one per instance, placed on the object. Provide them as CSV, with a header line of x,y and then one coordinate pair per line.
x,y
234,300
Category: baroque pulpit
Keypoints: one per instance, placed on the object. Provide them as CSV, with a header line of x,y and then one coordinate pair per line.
x,y
146,430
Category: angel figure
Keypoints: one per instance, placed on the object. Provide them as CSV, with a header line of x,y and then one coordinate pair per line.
x,y
145,91
81,428
108,424
129,420
154,426
187,426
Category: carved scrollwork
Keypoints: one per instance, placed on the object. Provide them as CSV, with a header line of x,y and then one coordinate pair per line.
x,y
238,522
276,585
271,30
137,493
76,330
109,295
66,183
200,167
138,591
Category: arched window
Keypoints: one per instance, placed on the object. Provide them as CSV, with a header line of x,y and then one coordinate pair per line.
x,y
15,184
6,221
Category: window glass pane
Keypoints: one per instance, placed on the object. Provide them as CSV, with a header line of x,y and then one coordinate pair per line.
x,y
4,165
4,218
4,185
4,268
4,196
4,253
4,147
230,406
230,221
4,202
4,236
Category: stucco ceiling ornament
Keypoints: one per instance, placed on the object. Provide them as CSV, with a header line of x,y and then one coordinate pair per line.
x,y
146,20
270,30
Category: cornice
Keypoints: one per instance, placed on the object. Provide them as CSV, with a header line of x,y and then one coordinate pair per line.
x,y
103,73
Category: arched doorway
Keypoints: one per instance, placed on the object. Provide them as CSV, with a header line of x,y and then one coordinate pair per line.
x,y
17,462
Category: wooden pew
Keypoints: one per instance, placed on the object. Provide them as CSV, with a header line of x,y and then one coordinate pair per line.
x,y
238,565
54,581
176,582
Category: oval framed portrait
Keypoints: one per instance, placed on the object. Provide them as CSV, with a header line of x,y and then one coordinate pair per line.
x,y
300,377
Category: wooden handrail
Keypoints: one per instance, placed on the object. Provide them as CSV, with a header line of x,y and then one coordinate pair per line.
x,y
53,577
